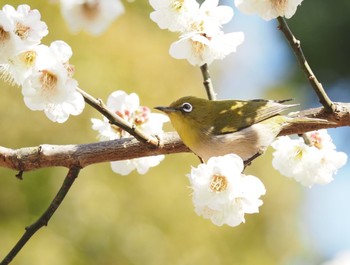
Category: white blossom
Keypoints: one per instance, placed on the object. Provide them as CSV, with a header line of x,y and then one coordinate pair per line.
x,y
50,86
20,30
202,40
222,193
269,9
93,16
313,163
198,49
128,107
174,15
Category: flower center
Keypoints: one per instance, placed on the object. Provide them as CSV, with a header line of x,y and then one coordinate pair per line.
x,y
218,183
91,9
198,47
279,5
22,31
141,115
28,58
315,140
48,81
4,35
177,5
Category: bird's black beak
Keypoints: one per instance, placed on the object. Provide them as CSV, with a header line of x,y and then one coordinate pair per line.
x,y
166,109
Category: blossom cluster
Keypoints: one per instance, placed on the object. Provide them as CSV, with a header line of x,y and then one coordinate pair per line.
x,y
222,193
43,72
128,107
309,160
202,40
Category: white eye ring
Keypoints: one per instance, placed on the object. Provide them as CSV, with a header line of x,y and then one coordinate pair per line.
x,y
186,107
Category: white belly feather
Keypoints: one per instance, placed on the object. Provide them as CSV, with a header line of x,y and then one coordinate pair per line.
x,y
245,143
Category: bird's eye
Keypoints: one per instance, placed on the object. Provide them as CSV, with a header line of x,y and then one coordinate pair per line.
x,y
186,107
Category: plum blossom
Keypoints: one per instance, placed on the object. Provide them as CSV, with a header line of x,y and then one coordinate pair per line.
x,y
50,86
202,40
312,160
269,9
20,30
198,49
128,107
222,193
93,16
174,15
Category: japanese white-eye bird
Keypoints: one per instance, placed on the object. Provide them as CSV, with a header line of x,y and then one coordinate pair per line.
x,y
214,128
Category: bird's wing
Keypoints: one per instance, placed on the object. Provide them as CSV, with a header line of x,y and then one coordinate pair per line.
x,y
243,114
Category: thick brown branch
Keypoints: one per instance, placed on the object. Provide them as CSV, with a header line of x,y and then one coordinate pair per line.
x,y
31,158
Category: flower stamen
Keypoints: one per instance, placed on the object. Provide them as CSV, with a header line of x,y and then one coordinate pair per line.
x,y
91,10
22,31
48,80
218,183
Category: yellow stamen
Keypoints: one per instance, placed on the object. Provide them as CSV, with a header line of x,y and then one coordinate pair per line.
x,y
177,5
218,183
28,58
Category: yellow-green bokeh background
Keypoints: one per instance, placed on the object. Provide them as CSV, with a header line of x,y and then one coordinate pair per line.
x,y
110,219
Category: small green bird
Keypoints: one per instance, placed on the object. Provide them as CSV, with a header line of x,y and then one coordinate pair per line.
x,y
214,128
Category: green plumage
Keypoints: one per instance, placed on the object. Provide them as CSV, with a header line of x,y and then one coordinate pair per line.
x,y
214,128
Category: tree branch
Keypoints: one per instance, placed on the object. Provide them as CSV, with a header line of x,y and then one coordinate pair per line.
x,y
296,47
118,121
30,158
45,217
208,85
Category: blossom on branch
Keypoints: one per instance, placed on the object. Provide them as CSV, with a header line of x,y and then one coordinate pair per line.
x,y
50,86
199,49
94,16
20,30
269,9
202,40
174,15
313,162
222,193
128,107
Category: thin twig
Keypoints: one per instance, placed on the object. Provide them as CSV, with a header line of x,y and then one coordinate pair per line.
x,y
118,121
45,217
296,47
207,82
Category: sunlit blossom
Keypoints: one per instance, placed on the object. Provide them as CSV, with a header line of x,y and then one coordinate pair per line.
x,y
93,16
50,86
269,9
222,193
313,162
199,49
128,107
20,30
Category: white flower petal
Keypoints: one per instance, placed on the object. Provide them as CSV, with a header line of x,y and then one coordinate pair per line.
x,y
222,193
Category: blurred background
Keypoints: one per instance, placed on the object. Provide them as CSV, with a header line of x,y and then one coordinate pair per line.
x,y
149,219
